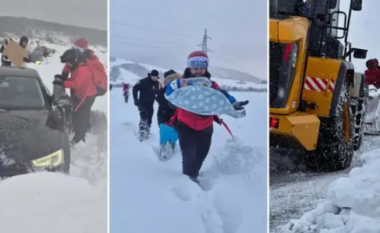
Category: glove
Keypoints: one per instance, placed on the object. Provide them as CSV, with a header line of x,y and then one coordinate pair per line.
x,y
61,77
218,120
58,82
136,103
239,105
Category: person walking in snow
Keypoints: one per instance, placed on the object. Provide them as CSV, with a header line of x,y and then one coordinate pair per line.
x,y
168,134
372,73
83,89
195,131
126,91
4,59
144,94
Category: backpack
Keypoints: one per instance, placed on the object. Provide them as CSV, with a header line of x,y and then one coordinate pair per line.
x,y
99,75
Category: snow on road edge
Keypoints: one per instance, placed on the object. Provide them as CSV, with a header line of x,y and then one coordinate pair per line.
x,y
352,204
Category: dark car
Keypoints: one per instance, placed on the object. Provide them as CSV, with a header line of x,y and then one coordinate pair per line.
x,y
32,136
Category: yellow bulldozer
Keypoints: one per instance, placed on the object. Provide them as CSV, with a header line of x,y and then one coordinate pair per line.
x,y
317,99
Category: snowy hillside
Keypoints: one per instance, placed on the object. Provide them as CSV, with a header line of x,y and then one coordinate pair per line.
x,y
151,196
125,71
223,73
49,31
48,202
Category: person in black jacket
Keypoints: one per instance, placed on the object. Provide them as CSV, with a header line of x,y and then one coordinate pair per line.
x,y
168,134
4,59
144,94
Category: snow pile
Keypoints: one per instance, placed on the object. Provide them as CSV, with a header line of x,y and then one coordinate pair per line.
x,y
51,202
352,205
156,197
48,202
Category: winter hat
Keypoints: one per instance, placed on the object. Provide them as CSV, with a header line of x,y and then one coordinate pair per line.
x,y
24,39
169,72
171,75
372,63
197,59
154,73
81,44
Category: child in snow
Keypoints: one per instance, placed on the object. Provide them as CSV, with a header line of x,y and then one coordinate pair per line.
x,y
195,131
168,134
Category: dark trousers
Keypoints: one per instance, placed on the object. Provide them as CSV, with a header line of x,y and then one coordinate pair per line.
x,y
195,146
81,119
146,116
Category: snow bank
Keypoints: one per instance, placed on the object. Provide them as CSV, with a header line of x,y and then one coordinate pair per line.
x,y
352,205
51,202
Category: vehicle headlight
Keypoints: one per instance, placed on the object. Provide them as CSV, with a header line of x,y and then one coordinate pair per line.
x,y
53,160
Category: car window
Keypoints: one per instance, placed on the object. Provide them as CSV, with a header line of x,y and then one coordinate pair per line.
x,y
21,93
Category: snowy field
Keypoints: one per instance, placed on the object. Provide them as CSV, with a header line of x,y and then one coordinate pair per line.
x,y
48,202
150,196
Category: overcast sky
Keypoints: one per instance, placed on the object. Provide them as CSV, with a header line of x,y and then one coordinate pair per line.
x,y
238,29
85,13
364,31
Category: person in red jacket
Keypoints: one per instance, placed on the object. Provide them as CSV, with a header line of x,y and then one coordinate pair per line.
x,y
372,74
84,91
195,131
126,91
97,69
125,87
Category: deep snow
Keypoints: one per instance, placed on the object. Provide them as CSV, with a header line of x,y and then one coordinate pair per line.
x,y
297,193
150,196
352,204
47,202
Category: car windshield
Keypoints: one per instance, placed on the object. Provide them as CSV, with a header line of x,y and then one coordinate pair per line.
x,y
19,93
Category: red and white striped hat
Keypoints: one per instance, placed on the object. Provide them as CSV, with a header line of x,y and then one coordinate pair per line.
x,y
81,44
197,59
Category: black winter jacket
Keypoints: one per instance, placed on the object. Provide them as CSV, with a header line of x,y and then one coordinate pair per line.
x,y
145,92
165,109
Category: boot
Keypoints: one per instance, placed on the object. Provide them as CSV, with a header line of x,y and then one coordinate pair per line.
x,y
162,155
173,146
147,132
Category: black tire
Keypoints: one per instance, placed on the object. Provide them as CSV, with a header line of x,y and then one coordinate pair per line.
x,y
360,113
334,152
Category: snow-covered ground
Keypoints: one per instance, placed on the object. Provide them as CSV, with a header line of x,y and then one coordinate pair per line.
x,y
48,202
315,199
352,204
151,196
